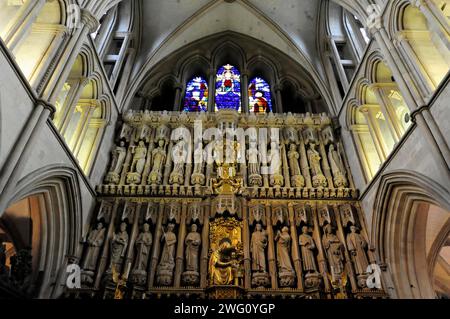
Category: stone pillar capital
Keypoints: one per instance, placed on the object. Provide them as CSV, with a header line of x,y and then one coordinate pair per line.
x,y
278,87
46,105
89,20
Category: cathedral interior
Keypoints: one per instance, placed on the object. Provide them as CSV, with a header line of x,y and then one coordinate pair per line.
x,y
224,149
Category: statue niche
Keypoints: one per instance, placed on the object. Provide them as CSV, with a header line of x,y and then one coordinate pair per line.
x,y
297,180
94,244
308,247
337,167
179,158
357,246
142,246
286,272
167,261
258,246
334,251
159,157
226,252
318,179
118,155
253,156
138,163
192,242
119,244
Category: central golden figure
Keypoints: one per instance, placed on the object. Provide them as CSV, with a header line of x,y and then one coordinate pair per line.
x,y
223,264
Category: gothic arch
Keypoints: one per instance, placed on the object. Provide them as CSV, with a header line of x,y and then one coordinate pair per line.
x,y
270,67
395,230
192,65
220,55
62,220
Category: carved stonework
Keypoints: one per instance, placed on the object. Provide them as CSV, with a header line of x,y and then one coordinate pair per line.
x,y
267,215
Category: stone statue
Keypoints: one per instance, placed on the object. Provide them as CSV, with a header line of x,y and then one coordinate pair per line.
x,y
140,152
143,244
95,241
254,176
222,264
357,246
296,175
276,177
167,262
258,249
307,246
199,159
192,242
286,272
159,156
334,251
283,240
119,245
337,167
118,157
319,180
253,159
168,254
179,157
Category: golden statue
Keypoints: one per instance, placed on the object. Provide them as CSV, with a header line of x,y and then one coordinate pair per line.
x,y
223,264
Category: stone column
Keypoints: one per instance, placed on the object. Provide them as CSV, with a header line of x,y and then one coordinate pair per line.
x,y
325,164
22,151
21,26
65,61
393,122
178,97
285,163
244,90
304,166
278,98
180,248
423,79
437,21
271,250
48,60
156,246
246,241
134,234
375,133
402,75
211,90
82,129
295,248
205,245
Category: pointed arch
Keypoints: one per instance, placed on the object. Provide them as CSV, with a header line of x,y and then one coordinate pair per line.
x,y
397,225
62,220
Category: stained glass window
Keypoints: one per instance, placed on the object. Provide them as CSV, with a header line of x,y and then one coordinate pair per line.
x,y
228,88
196,98
260,100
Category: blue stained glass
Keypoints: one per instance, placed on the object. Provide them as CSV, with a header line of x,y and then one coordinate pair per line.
x,y
260,100
228,88
196,97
